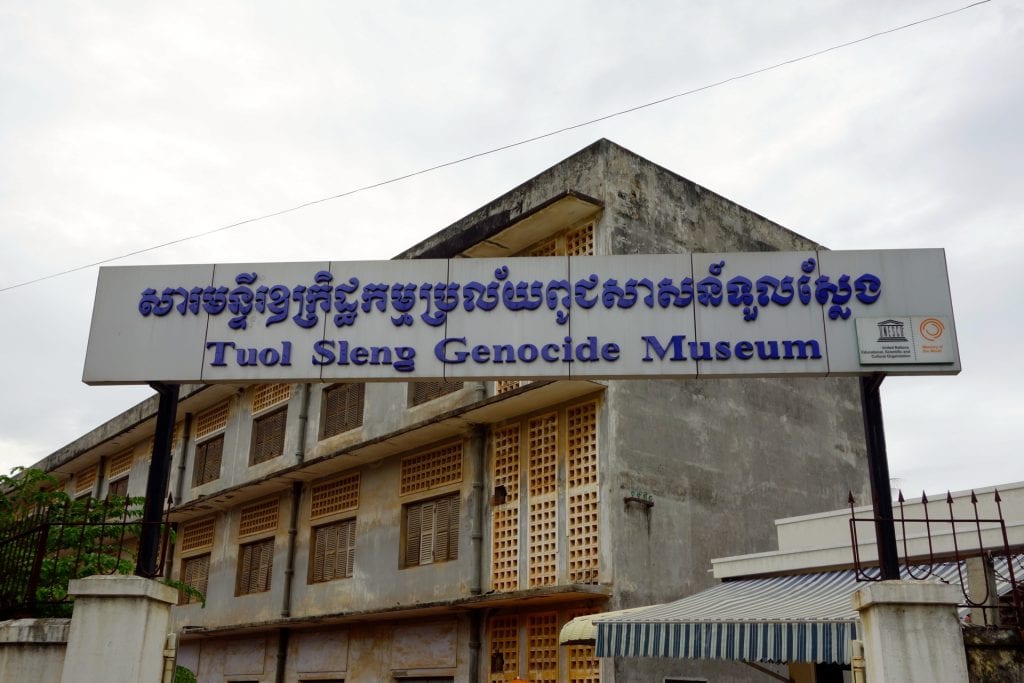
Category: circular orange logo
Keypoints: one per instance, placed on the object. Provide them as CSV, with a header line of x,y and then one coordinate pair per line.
x,y
931,328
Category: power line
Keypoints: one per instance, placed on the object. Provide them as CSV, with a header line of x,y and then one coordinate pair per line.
x,y
495,150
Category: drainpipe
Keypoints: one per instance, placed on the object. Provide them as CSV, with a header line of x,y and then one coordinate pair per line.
x,y
282,654
300,448
170,657
857,664
185,436
478,447
293,532
180,488
475,628
293,517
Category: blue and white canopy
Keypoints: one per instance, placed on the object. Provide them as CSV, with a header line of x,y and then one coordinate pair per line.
x,y
801,618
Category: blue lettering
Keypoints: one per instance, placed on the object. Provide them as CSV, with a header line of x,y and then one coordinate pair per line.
x,y
219,347
587,351
700,350
441,350
527,353
380,355
767,350
744,350
676,342
245,357
801,349
723,351
504,353
325,349
405,355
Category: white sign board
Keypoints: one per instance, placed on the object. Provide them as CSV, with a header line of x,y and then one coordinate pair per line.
x,y
813,313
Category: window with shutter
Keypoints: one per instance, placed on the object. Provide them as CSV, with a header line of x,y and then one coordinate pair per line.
x,y
432,531
255,567
118,488
268,436
428,390
412,535
342,409
206,466
195,573
334,550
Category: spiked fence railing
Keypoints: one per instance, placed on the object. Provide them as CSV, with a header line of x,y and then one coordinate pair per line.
x,y
940,538
42,551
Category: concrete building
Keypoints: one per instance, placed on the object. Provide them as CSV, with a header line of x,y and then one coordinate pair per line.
x,y
446,531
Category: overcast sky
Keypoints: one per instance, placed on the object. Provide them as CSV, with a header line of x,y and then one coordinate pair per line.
x,y
127,124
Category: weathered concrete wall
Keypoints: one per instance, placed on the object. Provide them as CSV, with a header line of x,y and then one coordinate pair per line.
x,y
648,209
378,582
32,650
386,411
994,654
367,653
722,459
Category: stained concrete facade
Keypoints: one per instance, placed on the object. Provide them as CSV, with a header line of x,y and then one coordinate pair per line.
x,y
714,462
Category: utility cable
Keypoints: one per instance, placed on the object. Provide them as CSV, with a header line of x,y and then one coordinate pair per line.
x,y
495,150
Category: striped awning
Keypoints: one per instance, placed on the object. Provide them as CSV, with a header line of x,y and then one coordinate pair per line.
x,y
802,618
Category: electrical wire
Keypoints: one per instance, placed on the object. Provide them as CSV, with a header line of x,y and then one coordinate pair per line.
x,y
495,150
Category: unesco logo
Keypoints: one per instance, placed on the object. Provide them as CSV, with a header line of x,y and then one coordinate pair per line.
x,y
931,328
891,331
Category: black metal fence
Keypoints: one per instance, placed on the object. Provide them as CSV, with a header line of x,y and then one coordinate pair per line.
x,y
41,552
940,545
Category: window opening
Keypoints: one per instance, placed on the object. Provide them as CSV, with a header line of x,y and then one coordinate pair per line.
x,y
428,390
259,517
255,566
207,461
542,647
342,409
432,531
336,495
432,469
334,551
195,573
268,436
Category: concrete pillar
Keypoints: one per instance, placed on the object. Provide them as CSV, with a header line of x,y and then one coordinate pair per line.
x,y
911,632
981,582
118,629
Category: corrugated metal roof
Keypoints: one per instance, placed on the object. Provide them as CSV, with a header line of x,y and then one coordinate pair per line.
x,y
806,617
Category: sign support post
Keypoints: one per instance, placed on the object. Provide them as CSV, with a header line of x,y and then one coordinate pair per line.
x,y
878,473
156,483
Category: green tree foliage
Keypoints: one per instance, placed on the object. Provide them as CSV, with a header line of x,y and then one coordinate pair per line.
x,y
183,675
82,537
